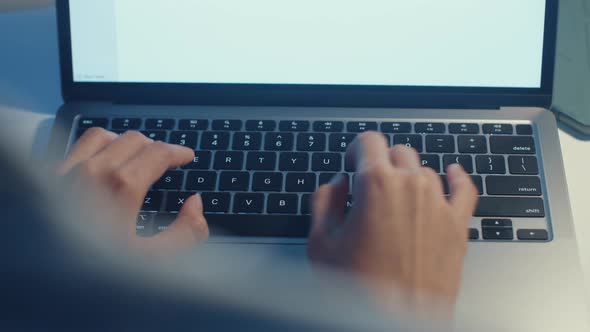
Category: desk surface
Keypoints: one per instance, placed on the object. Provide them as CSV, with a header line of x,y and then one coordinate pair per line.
x,y
30,90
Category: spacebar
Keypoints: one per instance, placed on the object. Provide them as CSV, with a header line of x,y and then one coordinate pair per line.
x,y
258,225
510,207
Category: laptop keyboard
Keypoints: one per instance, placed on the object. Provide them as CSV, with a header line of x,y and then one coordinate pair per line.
x,y
256,177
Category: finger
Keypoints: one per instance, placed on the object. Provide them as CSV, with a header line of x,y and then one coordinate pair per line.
x,y
435,180
119,151
148,165
404,157
463,192
328,206
368,150
189,228
93,141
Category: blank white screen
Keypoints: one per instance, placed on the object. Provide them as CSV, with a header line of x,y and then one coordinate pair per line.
x,y
472,43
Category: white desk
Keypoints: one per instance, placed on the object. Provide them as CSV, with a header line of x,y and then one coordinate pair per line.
x,y
29,90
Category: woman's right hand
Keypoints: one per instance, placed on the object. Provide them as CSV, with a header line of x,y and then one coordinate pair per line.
x,y
401,232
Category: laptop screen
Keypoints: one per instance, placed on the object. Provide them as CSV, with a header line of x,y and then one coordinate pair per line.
x,y
454,43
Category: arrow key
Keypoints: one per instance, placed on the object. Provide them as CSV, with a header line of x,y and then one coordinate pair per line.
x,y
532,235
498,234
496,223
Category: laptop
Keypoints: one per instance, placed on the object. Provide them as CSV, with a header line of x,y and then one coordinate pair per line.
x,y
270,94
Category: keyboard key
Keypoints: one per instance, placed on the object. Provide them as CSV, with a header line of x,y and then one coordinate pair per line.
x,y
282,204
85,123
214,141
201,180
524,130
300,182
327,177
202,160
261,125
311,142
485,223
152,201
510,207
523,165
411,141
216,202
294,162
267,182
464,160
498,234
440,143
144,225
532,235
513,185
126,123
79,134
297,126
155,135
170,180
445,183
349,165
159,124
247,141
396,127
305,204
326,162
431,160
490,164
512,145
234,181
359,127
162,221
248,203
224,125
175,200
328,126
349,203
430,128
464,128
472,144
498,129
340,142
278,141
228,160
184,138
473,234
193,124
477,181
261,161
289,226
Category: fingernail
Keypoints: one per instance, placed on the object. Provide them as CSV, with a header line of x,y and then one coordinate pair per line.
x,y
454,168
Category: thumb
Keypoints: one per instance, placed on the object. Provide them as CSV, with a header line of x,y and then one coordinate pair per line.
x,y
328,206
189,228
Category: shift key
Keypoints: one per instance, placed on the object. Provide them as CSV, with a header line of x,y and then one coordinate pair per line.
x,y
524,207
